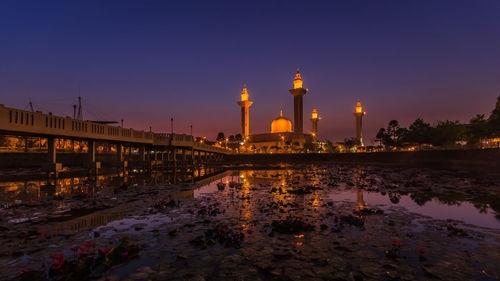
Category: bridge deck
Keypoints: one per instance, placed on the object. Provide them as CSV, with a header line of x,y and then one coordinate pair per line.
x,y
23,122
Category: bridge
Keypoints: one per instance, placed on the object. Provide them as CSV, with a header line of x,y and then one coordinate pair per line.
x,y
154,149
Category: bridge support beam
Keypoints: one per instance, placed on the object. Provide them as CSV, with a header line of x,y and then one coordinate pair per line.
x,y
184,157
51,145
52,165
142,153
120,155
174,157
94,166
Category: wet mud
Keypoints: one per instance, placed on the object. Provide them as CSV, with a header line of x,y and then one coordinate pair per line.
x,y
299,222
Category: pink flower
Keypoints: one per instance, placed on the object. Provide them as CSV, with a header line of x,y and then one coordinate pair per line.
x,y
105,250
422,251
395,243
58,260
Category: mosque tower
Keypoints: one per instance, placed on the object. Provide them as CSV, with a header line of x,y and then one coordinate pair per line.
x,y
245,110
314,120
359,122
297,93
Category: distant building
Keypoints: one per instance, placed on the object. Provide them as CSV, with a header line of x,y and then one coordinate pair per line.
x,y
359,113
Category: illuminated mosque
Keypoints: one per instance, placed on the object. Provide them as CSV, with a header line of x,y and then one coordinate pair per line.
x,y
282,134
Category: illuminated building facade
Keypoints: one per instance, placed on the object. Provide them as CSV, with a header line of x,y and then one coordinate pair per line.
x,y
298,92
359,113
314,121
245,104
282,137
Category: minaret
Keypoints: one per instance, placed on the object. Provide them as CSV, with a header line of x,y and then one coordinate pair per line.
x,y
297,93
359,122
245,106
314,120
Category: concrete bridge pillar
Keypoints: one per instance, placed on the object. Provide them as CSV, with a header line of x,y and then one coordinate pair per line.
x,y
142,153
174,156
184,157
119,153
91,152
93,164
51,145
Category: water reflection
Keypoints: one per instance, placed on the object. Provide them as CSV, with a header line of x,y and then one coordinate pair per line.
x,y
361,186
35,189
362,190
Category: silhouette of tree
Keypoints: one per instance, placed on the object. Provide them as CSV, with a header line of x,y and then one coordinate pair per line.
x,y
477,129
393,136
419,132
350,143
220,136
494,120
447,133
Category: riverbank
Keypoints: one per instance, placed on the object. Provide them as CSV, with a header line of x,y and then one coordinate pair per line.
x,y
474,159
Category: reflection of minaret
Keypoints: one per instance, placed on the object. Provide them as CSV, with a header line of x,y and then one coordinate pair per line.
x,y
361,201
245,109
297,93
314,121
359,122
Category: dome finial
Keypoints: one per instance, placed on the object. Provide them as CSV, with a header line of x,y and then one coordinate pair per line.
x,y
281,112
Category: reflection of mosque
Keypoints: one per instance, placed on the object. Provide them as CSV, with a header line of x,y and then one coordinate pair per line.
x,y
361,202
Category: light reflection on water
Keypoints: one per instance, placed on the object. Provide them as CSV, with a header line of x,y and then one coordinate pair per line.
x,y
32,190
474,213
437,206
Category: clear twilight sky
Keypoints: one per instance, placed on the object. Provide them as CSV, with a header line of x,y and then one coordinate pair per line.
x,y
147,61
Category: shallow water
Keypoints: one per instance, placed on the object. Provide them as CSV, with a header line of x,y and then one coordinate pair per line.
x,y
453,216
481,215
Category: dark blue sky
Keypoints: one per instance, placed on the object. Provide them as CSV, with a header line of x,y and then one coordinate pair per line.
x,y
146,61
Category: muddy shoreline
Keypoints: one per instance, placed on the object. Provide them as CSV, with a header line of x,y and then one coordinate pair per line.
x,y
291,223
472,159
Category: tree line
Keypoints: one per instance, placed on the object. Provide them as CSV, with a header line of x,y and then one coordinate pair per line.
x,y
443,133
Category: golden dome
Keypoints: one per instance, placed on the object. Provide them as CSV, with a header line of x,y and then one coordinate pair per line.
x,y
281,125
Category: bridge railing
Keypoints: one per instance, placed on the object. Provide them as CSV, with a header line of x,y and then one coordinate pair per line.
x,y
21,121
36,123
